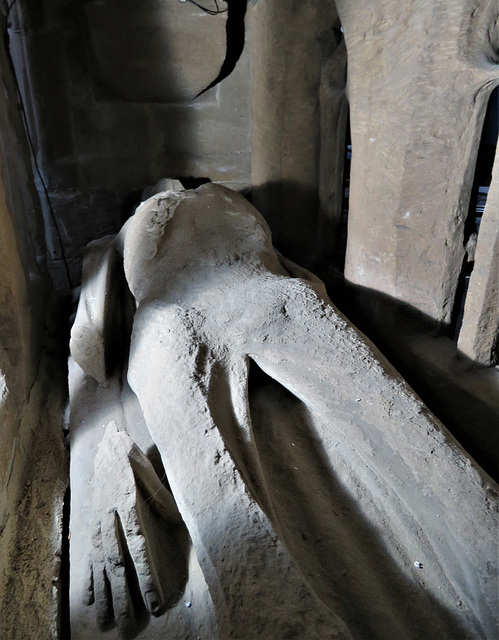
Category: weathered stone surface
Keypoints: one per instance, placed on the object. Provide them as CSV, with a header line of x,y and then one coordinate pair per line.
x,y
31,590
116,131
320,495
173,49
479,334
235,584
93,408
93,334
419,76
33,470
132,511
418,81
299,116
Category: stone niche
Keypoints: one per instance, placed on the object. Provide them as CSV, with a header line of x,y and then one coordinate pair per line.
x,y
152,52
122,77
355,131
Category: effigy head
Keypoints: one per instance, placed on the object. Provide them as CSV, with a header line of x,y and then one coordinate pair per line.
x,y
178,232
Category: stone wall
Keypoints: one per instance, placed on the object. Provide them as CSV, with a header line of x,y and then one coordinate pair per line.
x,y
299,119
32,458
121,78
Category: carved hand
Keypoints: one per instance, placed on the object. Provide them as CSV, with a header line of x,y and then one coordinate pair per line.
x,y
137,565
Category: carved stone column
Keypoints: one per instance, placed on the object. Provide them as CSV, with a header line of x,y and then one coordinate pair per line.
x,y
479,332
419,76
298,123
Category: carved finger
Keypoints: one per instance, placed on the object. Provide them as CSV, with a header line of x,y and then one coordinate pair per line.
x,y
101,589
118,452
140,544
139,532
117,582
89,592
159,498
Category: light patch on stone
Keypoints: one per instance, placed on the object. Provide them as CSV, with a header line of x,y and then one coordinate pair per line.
x,y
4,392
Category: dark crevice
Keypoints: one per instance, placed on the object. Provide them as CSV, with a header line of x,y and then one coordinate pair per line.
x,y
105,615
460,299
257,378
135,619
191,182
346,199
64,631
234,28
478,198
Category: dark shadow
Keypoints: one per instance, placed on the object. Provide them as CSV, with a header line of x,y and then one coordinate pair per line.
x,y
192,182
343,234
99,136
332,541
291,211
234,28
334,159
64,626
461,393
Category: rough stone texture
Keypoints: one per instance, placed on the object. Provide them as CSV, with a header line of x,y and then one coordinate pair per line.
x,y
31,592
321,497
479,334
93,407
104,122
33,470
182,46
299,113
121,77
419,76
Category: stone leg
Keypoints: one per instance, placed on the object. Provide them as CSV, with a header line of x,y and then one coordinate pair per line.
x,y
256,589
380,441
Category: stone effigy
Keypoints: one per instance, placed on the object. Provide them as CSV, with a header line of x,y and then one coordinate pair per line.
x,y
244,463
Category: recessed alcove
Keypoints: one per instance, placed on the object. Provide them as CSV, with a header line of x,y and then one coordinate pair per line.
x,y
152,52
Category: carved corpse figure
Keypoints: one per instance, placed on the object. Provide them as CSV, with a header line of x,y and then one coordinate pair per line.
x,y
321,498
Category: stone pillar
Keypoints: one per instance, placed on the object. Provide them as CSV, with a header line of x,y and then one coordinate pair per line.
x,y
478,336
419,76
297,100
